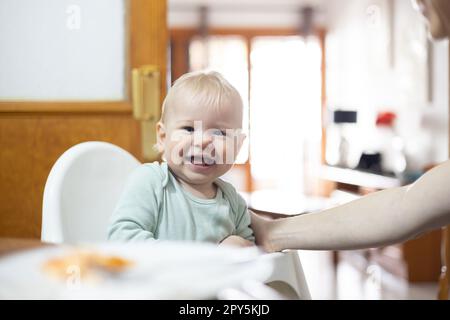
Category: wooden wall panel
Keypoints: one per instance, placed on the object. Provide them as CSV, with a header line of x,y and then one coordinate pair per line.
x,y
30,144
33,134
423,257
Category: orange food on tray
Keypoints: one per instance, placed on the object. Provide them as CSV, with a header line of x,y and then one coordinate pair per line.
x,y
88,264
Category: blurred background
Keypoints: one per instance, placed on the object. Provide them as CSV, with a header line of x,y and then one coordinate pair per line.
x,y
342,98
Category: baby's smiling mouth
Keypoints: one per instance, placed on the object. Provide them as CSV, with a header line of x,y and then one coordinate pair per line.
x,y
199,160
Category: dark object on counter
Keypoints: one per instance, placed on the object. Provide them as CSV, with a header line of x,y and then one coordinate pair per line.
x,y
370,162
343,116
343,121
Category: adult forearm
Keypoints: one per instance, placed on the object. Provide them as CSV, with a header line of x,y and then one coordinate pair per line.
x,y
363,223
378,219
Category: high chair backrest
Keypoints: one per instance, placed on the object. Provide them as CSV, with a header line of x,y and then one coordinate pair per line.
x,y
82,190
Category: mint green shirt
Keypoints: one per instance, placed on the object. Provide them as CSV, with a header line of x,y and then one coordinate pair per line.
x,y
153,205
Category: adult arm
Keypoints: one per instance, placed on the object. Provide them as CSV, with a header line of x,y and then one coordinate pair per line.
x,y
379,219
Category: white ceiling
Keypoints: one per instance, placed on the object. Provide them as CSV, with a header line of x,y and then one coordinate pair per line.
x,y
243,3
244,13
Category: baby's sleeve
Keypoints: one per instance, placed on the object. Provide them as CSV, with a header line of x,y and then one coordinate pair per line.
x,y
243,221
135,217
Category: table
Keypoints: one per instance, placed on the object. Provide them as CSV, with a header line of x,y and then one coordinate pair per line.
x,y
358,178
12,245
169,270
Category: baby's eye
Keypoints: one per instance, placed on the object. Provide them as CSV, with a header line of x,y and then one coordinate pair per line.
x,y
188,128
218,132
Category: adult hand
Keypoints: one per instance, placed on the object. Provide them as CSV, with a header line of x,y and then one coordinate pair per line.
x,y
236,241
272,215
260,224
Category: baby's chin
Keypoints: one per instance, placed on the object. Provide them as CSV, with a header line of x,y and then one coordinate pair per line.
x,y
200,175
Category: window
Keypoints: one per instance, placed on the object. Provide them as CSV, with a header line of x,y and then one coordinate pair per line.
x,y
227,55
285,109
282,93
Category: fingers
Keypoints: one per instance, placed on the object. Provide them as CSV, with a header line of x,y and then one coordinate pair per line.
x,y
236,241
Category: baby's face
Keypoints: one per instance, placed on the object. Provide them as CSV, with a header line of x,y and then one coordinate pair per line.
x,y
200,142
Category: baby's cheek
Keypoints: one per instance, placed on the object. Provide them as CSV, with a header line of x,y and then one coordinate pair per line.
x,y
221,152
231,150
178,148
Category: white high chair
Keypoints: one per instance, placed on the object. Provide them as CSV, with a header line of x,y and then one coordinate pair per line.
x,y
82,190
287,277
81,193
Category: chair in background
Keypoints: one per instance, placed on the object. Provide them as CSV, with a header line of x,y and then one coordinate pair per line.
x,y
82,190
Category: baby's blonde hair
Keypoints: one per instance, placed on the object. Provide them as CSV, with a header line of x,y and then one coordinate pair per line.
x,y
204,88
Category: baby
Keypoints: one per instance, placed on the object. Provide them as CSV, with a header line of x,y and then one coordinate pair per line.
x,y
199,136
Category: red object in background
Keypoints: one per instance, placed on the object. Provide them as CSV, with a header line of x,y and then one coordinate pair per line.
x,y
386,119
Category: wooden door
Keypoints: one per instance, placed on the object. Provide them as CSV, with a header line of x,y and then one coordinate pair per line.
x,y
444,281
33,134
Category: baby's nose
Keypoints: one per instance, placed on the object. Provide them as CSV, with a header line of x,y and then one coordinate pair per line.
x,y
203,140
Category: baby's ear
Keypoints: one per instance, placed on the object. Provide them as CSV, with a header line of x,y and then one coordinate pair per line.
x,y
160,137
241,138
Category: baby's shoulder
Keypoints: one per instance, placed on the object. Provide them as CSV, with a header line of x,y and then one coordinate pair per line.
x,y
230,193
153,174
